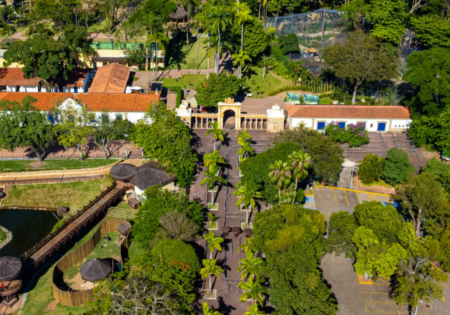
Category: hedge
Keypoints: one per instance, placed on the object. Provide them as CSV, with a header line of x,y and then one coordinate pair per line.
x,y
177,90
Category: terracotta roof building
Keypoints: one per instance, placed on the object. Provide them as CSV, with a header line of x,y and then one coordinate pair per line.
x,y
112,78
375,118
127,106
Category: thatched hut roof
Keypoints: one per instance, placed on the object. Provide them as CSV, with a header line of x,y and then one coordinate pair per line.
x,y
124,229
10,268
123,171
61,211
248,232
179,14
96,269
236,230
150,174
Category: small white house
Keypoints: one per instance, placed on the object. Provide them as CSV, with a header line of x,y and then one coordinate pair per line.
x,y
374,118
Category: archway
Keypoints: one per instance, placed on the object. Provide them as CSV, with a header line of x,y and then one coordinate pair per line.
x,y
229,119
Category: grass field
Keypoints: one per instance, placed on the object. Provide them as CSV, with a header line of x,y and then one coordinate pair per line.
x,y
185,56
190,81
2,236
34,165
73,195
258,86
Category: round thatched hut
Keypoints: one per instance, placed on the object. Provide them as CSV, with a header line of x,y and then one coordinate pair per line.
x,y
123,172
180,14
10,284
96,269
61,211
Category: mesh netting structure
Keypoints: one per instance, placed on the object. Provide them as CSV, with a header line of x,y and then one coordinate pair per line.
x,y
315,30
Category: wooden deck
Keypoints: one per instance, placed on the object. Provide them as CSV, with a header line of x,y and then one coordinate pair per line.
x,y
47,250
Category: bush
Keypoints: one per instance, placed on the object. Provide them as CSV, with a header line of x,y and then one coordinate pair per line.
x,y
440,172
397,167
371,168
288,43
177,90
354,135
177,252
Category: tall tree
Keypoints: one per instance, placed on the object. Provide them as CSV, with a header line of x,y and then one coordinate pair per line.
x,y
246,197
250,266
213,243
241,58
217,88
158,39
360,58
60,12
108,130
388,19
217,133
211,178
212,159
243,15
245,149
219,18
253,310
300,163
24,125
280,174
243,137
210,269
208,311
421,197
253,290
397,167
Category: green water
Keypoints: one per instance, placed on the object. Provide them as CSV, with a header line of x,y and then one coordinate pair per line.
x,y
28,228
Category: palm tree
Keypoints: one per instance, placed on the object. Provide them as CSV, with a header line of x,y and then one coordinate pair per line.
x,y
246,198
158,38
253,290
280,174
246,148
250,266
216,132
246,247
243,137
300,163
211,178
212,159
253,310
240,59
220,17
213,242
243,15
208,311
210,269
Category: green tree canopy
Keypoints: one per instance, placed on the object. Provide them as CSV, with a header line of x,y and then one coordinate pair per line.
x,y
157,203
60,12
388,19
23,125
432,30
360,58
326,155
217,88
168,139
370,168
440,172
397,167
429,73
179,253
340,233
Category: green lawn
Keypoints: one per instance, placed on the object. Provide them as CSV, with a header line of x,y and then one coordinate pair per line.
x,y
257,85
2,236
187,57
34,165
190,81
73,195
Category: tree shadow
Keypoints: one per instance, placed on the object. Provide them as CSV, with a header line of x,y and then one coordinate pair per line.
x,y
176,55
223,308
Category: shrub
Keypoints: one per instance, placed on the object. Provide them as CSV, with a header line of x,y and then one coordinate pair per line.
x,y
440,172
397,167
179,253
354,135
371,168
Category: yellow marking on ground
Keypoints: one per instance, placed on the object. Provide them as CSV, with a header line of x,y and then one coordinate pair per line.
x,y
309,195
387,199
323,195
359,201
345,193
372,301
335,199
443,299
367,192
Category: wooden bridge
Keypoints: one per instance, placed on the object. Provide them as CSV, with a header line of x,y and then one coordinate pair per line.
x,y
66,234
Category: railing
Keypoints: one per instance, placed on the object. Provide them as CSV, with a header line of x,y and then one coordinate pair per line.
x,y
49,237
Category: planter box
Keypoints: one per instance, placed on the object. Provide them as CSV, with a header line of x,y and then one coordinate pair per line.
x,y
210,296
244,226
213,207
212,227
241,208
214,189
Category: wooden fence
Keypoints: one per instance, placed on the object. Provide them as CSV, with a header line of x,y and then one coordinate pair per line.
x,y
68,296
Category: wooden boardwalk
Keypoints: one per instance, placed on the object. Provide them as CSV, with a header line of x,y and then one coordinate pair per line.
x,y
43,251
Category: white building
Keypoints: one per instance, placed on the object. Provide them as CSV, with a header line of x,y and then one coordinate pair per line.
x,y
150,174
375,118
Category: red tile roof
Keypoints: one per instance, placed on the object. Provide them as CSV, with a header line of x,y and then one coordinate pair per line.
x,y
93,102
112,78
348,111
15,77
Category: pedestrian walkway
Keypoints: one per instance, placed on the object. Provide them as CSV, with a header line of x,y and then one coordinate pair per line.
x,y
329,200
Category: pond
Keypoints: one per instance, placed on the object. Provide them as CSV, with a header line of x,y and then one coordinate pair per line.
x,y
28,228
